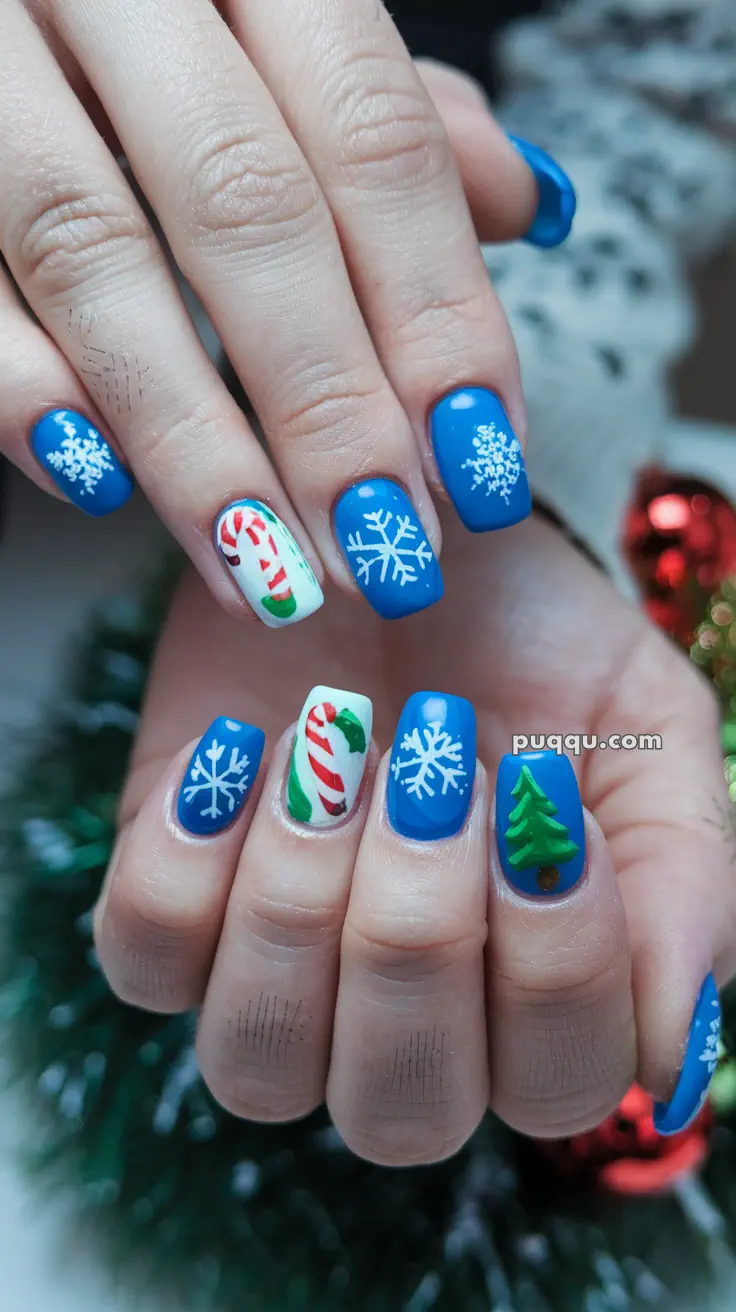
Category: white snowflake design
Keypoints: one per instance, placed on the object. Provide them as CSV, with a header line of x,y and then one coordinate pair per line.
x,y
86,459
712,1040
228,783
497,464
397,547
436,757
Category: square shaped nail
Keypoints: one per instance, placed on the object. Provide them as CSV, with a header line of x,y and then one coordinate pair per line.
x,y
81,463
219,776
480,460
267,564
432,769
540,829
386,548
329,756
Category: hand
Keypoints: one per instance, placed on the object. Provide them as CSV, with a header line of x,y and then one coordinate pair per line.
x,y
463,979
318,191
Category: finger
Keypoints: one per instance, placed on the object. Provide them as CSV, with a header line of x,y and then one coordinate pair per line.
x,y
500,188
41,402
666,814
379,151
560,1008
87,262
252,231
266,1025
159,917
408,1080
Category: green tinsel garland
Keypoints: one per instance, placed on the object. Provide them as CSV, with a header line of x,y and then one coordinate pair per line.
x,y
278,1219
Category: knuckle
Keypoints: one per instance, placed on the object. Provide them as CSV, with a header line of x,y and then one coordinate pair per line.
x,y
568,984
396,948
330,405
385,134
74,236
404,1137
281,924
259,1060
267,1104
153,957
251,187
438,326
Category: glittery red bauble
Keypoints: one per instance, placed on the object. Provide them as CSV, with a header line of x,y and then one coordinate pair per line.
x,y
680,542
626,1155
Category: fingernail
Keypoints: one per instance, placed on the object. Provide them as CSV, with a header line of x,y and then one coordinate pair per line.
x,y
557,201
480,460
430,779
701,1059
387,549
82,464
219,776
329,755
540,828
271,571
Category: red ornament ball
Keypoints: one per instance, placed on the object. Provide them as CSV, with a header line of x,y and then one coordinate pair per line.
x,y
626,1155
679,539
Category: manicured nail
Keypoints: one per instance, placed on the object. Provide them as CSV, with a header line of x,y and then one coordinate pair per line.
x,y
701,1059
329,755
219,776
267,564
480,460
540,828
387,549
556,208
82,464
430,778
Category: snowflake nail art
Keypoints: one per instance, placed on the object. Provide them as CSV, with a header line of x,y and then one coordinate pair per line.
x,y
432,766
387,549
81,462
480,460
219,776
699,1066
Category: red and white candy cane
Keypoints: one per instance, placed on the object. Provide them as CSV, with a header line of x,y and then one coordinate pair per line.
x,y
322,761
251,522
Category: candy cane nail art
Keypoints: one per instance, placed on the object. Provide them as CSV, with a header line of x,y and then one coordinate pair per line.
x,y
269,568
329,755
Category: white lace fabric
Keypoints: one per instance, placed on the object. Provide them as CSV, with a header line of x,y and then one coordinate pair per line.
x,y
636,99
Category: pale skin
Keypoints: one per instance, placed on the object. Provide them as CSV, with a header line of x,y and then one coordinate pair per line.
x,y
406,982
281,147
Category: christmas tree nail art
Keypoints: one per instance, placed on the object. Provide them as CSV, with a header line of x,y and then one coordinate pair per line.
x,y
329,755
269,568
539,823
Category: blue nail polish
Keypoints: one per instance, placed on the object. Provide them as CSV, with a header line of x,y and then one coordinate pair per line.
x,y
480,460
540,828
556,208
430,778
81,462
701,1059
387,549
219,776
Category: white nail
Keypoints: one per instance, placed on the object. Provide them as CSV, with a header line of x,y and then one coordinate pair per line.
x,y
271,571
328,760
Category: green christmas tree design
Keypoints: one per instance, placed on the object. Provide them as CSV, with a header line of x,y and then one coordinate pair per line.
x,y
534,838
